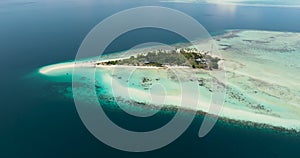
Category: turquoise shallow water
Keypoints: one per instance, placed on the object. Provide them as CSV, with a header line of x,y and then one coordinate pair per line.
x,y
224,138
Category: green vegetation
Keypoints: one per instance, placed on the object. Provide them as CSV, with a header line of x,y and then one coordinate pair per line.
x,y
183,57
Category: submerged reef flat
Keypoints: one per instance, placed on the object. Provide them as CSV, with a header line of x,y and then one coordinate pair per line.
x,y
262,80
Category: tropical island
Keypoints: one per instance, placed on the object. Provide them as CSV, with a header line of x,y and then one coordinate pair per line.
x,y
187,57
262,77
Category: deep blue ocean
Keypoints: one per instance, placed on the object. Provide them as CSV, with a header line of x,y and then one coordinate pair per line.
x,y
38,122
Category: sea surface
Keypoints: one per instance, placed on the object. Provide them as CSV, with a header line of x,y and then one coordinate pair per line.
x,y
36,120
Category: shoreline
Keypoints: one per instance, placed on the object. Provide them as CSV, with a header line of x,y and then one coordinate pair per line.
x,y
224,120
